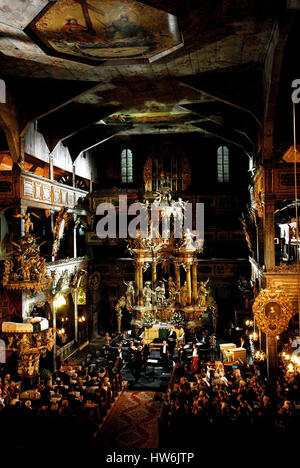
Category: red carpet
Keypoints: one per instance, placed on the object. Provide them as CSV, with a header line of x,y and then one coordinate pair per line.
x,y
132,423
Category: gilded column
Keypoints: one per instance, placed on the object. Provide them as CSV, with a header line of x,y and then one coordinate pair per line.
x,y
137,281
177,275
154,274
194,276
140,273
188,285
269,232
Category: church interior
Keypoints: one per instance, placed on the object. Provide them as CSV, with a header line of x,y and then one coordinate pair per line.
x,y
149,226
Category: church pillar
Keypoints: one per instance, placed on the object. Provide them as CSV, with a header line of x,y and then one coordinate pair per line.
x,y
52,221
73,176
194,276
75,299
272,357
140,285
269,232
23,212
268,220
51,169
154,274
74,237
188,285
53,309
177,275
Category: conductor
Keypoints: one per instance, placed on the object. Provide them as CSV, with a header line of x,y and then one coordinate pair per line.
x,y
171,340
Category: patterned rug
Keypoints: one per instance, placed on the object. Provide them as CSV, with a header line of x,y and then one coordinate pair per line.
x,y
132,422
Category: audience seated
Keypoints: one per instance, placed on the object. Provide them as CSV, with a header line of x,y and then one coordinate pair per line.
x,y
232,397
73,394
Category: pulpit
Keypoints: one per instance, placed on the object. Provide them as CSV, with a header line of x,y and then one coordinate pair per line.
x,y
29,341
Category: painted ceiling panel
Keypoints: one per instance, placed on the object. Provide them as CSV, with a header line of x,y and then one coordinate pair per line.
x,y
87,34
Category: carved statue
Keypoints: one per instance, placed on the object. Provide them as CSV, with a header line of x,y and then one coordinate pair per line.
x,y
94,281
118,308
172,291
160,294
214,318
107,339
130,294
188,239
247,233
202,293
29,347
26,269
60,225
147,294
245,289
28,224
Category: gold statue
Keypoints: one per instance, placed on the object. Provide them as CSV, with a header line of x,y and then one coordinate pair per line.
x,y
26,269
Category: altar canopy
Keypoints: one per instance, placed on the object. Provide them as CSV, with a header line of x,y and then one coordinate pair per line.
x,y
166,284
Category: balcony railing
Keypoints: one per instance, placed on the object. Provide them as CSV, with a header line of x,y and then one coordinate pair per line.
x,y
38,189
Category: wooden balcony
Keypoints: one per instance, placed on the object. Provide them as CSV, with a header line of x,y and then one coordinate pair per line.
x,y
286,277
37,190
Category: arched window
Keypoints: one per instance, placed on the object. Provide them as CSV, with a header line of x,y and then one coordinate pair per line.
x,y
126,166
223,164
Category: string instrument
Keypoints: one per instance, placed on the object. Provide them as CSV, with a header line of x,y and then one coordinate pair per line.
x,y
194,364
117,362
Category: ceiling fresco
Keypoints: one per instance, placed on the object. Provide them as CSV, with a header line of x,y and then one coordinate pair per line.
x,y
91,31
143,78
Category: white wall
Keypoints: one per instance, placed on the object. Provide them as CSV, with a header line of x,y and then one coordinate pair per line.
x,y
36,146
85,166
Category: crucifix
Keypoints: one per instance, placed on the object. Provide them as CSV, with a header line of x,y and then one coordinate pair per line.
x,y
85,10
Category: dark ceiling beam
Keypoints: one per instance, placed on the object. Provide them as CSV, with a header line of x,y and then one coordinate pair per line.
x,y
238,87
272,72
218,132
38,98
90,137
169,6
245,141
69,120
228,115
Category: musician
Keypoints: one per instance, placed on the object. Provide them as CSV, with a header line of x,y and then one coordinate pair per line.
x,y
145,352
164,354
203,341
119,361
182,354
130,355
195,359
137,363
171,340
131,350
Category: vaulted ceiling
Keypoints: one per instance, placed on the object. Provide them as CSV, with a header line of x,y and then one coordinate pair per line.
x,y
206,66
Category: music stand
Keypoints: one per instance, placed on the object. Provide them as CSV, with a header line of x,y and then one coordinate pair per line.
x,y
151,375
